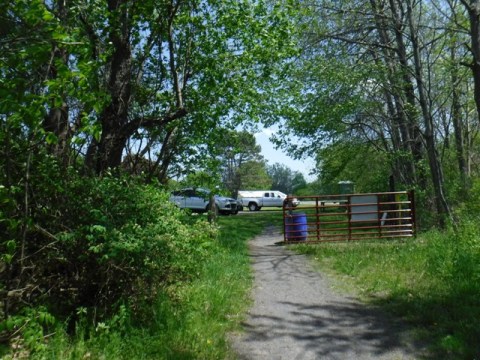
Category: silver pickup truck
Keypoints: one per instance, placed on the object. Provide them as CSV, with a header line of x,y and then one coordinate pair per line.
x,y
255,200
198,200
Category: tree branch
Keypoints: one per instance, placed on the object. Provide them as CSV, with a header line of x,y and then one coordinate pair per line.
x,y
150,122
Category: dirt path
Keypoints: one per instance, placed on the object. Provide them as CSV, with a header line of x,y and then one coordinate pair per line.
x,y
297,315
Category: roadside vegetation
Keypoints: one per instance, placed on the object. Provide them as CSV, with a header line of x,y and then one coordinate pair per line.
x,y
431,281
168,285
106,106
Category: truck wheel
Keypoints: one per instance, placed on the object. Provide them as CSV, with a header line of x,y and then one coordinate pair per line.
x,y
252,207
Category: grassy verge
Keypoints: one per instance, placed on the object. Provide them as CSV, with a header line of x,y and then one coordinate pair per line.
x,y
432,282
191,319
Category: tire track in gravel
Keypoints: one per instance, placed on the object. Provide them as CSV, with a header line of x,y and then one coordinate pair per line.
x,y
297,315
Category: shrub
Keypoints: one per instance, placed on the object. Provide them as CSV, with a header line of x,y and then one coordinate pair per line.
x,y
96,244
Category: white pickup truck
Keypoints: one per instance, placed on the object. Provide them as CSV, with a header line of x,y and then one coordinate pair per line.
x,y
255,200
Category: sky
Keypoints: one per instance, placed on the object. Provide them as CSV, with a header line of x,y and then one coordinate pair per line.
x,y
278,156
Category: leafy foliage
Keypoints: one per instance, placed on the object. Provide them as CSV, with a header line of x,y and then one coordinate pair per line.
x,y
377,74
235,149
254,176
97,243
286,180
81,85
356,162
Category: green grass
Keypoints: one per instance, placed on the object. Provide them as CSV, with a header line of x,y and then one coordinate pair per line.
x,y
190,320
433,282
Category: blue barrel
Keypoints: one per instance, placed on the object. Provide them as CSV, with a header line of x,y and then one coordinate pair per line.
x,y
296,228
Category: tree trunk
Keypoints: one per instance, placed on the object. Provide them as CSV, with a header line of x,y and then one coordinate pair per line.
x,y
473,9
116,126
167,153
443,208
57,120
213,210
412,129
108,152
402,134
457,124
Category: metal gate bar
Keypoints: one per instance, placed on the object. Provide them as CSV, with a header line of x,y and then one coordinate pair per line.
x,y
349,217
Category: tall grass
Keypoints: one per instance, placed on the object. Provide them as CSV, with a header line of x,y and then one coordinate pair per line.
x,y
432,281
191,319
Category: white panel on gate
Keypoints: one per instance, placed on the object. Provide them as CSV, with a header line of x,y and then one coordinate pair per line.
x,y
370,207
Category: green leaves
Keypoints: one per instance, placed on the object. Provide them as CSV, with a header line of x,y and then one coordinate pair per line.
x,y
29,325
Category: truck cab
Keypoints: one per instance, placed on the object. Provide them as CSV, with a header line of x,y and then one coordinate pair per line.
x,y
272,198
255,200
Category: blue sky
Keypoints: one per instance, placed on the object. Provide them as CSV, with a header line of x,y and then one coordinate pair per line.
x,y
278,156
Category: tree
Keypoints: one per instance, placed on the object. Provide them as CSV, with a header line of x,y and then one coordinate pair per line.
x,y
253,175
284,179
234,149
473,10
87,84
380,72
436,170
353,161
110,72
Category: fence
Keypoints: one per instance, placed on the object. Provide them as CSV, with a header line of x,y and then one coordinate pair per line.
x,y
349,217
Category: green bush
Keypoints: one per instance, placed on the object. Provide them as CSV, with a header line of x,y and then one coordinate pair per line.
x,y
98,244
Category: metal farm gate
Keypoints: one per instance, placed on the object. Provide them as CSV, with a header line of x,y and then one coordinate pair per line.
x,y
346,217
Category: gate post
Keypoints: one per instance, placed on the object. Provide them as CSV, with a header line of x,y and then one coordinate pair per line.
x,y
317,213
379,217
349,209
411,197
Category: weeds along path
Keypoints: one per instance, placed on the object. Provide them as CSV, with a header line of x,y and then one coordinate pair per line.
x,y
297,315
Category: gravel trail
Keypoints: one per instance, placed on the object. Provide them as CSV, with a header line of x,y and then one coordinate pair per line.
x,y
296,314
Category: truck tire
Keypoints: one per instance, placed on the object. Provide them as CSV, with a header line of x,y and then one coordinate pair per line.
x,y
252,206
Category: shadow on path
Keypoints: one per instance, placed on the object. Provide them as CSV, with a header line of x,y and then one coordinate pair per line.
x,y
297,315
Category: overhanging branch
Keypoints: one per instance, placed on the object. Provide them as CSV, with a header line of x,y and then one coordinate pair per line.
x,y
151,122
